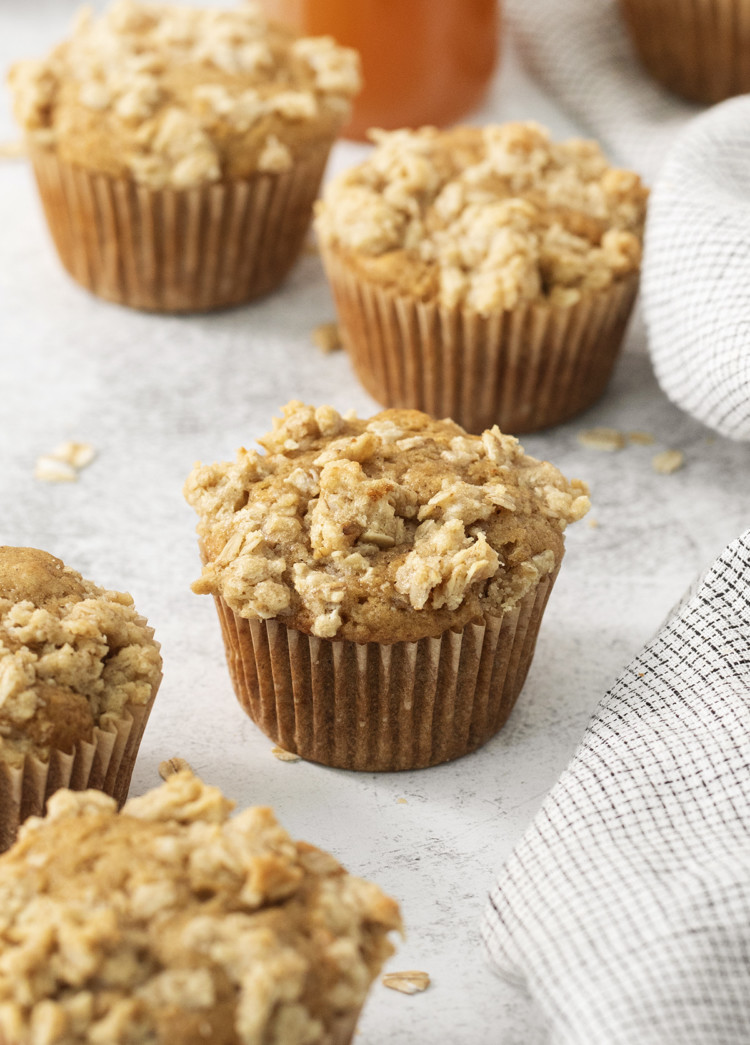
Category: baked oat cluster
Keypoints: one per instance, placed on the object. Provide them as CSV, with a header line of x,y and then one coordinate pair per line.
x,y
72,656
486,218
222,930
178,96
387,529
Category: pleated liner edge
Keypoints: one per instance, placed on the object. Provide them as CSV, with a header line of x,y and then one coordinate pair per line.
x,y
523,369
382,707
177,250
105,763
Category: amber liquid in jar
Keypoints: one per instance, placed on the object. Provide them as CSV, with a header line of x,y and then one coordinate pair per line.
x,y
423,61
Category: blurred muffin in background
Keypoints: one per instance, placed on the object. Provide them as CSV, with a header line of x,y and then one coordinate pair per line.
x,y
178,151
700,51
483,274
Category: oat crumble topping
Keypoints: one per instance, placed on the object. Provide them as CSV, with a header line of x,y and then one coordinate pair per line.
x,y
486,218
223,930
179,96
385,529
72,655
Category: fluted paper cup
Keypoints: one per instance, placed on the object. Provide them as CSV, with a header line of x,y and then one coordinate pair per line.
x,y
104,763
699,50
177,250
375,706
524,369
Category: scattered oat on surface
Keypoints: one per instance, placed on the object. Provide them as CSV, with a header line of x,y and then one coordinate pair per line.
x,y
641,438
284,756
49,469
77,455
410,982
174,921
12,150
390,528
593,524
486,218
401,801
64,463
170,766
668,461
327,337
608,439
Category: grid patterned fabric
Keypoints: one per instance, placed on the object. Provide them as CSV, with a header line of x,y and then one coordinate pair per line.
x,y
696,271
696,267
626,906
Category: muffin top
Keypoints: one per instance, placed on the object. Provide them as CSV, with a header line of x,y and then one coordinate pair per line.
x,y
381,530
178,96
486,218
223,930
72,656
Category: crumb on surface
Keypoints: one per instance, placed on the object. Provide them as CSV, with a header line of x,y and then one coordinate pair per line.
x,y
641,438
170,766
327,337
64,463
412,981
602,438
49,469
285,756
668,461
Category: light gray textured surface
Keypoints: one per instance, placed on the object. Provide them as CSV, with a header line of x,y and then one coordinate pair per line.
x,y
154,394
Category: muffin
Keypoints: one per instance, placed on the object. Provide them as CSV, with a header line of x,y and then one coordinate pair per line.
x,y
380,583
79,670
222,930
698,51
178,151
484,274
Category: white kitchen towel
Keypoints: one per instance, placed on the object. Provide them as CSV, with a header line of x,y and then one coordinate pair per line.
x,y
696,266
696,270
625,909
579,50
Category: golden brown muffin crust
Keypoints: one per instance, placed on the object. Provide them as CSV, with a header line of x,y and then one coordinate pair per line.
x,y
28,574
72,656
386,529
223,929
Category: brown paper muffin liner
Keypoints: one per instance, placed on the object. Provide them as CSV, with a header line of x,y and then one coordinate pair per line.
x,y
105,763
699,49
523,369
375,706
177,250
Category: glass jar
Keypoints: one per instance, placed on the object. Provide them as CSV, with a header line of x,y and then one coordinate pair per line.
x,y
423,61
